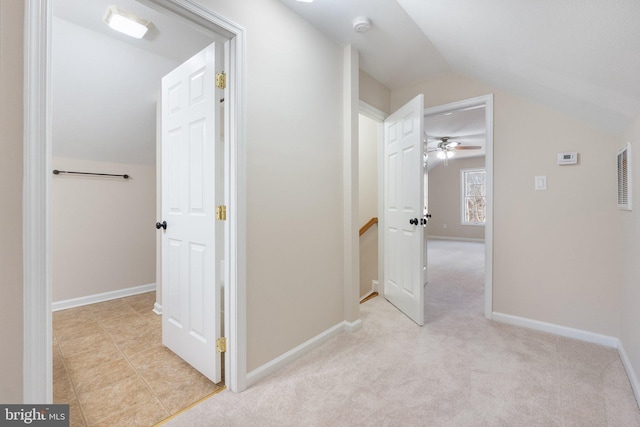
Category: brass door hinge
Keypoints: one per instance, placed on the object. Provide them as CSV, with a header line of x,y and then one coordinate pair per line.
x,y
221,213
221,80
221,345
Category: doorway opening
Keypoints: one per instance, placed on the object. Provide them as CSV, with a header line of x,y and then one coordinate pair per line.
x,y
484,105
370,164
105,98
456,148
38,161
475,120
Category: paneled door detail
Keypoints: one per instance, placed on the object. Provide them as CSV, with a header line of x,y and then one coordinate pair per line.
x,y
190,289
404,209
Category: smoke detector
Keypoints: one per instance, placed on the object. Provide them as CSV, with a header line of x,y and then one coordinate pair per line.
x,y
361,24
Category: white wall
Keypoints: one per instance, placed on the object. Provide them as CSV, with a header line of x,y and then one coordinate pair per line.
x,y
368,200
374,93
368,169
368,260
102,229
11,117
630,254
103,94
295,249
445,200
556,253
295,286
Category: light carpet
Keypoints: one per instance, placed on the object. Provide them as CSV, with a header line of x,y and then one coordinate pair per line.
x,y
458,370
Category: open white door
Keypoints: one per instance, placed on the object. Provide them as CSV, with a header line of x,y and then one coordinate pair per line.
x,y
190,285
404,210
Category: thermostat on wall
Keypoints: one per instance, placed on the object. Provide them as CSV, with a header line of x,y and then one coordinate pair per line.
x,y
568,158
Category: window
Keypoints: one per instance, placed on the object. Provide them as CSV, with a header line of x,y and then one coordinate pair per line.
x,y
474,196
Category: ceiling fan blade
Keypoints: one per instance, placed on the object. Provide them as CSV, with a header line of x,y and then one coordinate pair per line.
x,y
454,136
468,147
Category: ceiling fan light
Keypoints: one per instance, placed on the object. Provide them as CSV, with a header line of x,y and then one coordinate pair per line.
x,y
126,23
445,154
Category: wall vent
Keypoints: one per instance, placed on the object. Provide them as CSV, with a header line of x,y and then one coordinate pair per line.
x,y
624,177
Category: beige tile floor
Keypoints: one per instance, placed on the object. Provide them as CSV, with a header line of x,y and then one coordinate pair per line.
x,y
110,366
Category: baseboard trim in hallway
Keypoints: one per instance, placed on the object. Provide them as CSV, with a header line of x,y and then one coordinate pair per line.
x,y
105,296
578,334
563,331
283,360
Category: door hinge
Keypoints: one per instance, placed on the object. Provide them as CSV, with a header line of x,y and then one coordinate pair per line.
x,y
221,345
221,213
221,80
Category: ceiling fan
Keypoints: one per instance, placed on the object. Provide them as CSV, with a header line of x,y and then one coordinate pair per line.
x,y
446,147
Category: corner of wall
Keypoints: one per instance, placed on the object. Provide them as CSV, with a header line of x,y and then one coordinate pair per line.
x,y
11,173
629,252
350,184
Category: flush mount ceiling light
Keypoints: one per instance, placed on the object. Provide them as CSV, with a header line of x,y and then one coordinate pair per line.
x,y
126,22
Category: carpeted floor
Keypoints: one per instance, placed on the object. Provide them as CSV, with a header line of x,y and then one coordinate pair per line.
x,y
458,370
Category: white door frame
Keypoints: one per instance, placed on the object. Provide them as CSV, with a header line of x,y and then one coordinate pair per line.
x,y
37,349
487,102
379,116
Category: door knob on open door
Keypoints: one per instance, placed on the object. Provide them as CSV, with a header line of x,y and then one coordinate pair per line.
x,y
413,221
162,224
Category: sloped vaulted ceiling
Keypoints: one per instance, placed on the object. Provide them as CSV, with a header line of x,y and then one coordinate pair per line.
x,y
105,85
580,57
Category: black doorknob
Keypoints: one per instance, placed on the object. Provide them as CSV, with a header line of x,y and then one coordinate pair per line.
x,y
423,221
162,224
413,221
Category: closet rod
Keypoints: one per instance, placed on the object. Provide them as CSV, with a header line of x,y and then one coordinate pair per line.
x,y
57,172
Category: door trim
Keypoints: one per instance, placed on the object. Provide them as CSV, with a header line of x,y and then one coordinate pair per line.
x,y
487,102
379,116
37,348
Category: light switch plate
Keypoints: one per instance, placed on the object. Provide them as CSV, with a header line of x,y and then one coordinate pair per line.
x,y
541,183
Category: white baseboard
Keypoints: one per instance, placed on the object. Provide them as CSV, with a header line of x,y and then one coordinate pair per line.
x,y
106,296
631,373
353,326
157,309
283,360
457,239
552,328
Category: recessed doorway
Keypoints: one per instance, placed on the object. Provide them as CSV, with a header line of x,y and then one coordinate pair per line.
x,y
38,292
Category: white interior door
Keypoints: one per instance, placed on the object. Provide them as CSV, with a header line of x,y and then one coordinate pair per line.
x,y
190,285
404,210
